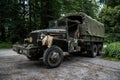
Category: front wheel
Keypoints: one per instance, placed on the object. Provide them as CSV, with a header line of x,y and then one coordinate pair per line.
x,y
53,57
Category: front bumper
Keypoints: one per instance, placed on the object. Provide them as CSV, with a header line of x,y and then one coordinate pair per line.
x,y
21,49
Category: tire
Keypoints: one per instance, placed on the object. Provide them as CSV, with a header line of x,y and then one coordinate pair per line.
x,y
53,57
93,51
100,49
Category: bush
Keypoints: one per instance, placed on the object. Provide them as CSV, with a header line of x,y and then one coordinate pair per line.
x,y
112,37
113,50
5,45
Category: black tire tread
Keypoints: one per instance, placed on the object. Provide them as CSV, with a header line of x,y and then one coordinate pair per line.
x,y
46,53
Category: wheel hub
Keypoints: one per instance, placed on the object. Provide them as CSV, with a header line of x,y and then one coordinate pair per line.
x,y
54,57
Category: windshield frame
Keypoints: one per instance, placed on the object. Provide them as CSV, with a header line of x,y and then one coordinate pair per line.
x,y
56,24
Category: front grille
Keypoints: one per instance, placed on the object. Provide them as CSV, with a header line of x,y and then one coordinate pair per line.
x,y
34,38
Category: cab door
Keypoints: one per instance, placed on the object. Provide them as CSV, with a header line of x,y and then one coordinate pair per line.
x,y
73,36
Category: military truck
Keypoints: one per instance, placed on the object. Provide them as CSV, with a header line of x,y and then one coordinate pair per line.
x,y
75,32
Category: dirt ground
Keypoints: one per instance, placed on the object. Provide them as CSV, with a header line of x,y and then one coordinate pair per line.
x,y
18,67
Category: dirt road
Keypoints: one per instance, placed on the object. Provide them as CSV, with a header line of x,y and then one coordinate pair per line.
x,y
18,67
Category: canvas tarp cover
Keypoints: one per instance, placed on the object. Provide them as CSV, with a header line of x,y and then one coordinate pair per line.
x,y
90,26
93,27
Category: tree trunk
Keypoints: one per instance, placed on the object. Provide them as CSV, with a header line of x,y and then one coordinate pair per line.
x,y
30,16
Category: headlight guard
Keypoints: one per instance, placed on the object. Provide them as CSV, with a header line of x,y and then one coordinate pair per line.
x,y
42,36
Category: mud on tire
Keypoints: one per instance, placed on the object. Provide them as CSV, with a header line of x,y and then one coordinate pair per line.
x,y
93,51
100,46
53,57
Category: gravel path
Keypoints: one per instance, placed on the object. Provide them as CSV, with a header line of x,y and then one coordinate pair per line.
x,y
18,67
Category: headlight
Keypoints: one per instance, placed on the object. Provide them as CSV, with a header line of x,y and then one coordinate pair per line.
x,y
42,36
30,39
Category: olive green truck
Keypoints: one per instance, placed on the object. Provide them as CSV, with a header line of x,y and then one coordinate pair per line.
x,y
75,32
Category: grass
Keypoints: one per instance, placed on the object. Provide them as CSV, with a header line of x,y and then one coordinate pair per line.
x,y
112,51
111,59
5,45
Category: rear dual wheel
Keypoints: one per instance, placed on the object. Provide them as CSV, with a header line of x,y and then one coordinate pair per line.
x,y
100,46
95,50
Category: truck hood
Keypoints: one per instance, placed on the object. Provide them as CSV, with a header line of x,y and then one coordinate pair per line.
x,y
49,31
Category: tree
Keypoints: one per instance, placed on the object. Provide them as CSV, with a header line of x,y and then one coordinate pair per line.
x,y
19,17
49,11
89,7
110,16
4,17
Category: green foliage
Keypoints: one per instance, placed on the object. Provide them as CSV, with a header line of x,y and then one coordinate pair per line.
x,y
50,10
19,17
111,3
113,50
110,37
90,7
112,59
5,45
12,27
110,16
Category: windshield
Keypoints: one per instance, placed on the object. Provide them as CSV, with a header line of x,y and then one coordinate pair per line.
x,y
58,24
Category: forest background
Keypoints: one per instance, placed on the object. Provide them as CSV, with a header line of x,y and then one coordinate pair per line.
x,y
19,17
